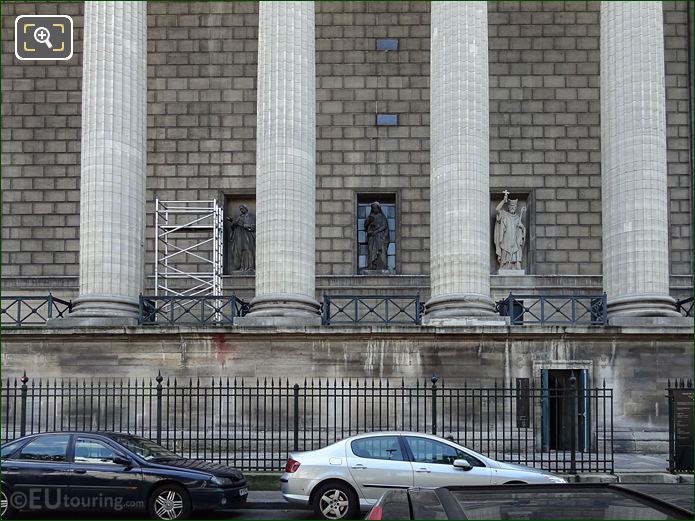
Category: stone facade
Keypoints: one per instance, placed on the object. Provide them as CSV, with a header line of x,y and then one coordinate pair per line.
x,y
203,85
544,132
627,360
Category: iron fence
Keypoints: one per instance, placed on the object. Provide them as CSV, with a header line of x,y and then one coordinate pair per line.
x,y
253,425
680,425
190,310
559,310
354,309
19,311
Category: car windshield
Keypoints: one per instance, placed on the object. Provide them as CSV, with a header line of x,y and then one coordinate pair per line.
x,y
145,448
543,504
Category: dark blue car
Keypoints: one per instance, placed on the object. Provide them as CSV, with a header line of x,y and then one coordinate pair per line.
x,y
111,472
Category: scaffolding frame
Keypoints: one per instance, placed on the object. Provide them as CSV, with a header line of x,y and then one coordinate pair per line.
x,y
188,232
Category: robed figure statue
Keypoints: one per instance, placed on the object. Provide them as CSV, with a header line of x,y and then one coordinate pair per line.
x,y
510,234
243,240
377,228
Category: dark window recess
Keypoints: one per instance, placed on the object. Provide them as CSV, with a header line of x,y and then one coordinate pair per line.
x,y
388,206
387,120
387,44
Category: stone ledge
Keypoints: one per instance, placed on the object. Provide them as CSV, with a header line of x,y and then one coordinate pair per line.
x,y
410,331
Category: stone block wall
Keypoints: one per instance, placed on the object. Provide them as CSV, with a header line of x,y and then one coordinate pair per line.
x,y
41,107
635,364
544,129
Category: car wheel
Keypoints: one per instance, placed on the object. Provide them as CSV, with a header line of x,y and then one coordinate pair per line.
x,y
169,502
336,501
6,510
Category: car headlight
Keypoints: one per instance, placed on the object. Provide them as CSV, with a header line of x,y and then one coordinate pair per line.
x,y
220,482
555,479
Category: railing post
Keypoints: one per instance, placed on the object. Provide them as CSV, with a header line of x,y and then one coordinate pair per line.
x,y
326,310
23,407
141,308
671,451
542,299
605,308
573,424
435,378
50,305
296,417
418,319
159,405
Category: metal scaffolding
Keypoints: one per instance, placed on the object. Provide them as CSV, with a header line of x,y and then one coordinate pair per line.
x,y
188,248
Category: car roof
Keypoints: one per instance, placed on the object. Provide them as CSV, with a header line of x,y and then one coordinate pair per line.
x,y
107,434
395,433
470,497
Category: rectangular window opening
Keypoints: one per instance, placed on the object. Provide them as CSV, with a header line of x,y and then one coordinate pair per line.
x,y
387,120
387,44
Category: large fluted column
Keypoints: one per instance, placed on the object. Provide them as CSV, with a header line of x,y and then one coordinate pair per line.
x,y
459,178
285,166
633,160
114,147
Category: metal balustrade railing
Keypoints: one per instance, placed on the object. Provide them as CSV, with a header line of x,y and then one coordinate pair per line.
x,y
523,309
358,309
254,423
32,311
685,307
157,310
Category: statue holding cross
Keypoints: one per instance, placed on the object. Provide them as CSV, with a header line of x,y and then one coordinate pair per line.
x,y
510,234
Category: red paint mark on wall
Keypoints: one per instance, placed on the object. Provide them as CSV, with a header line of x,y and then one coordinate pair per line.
x,y
222,348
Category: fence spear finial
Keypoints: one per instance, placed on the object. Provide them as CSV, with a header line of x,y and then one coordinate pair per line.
x,y
24,378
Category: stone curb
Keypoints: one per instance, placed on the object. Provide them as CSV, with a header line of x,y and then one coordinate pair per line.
x,y
633,478
270,504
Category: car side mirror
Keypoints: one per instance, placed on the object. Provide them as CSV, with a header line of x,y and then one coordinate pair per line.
x,y
462,464
122,460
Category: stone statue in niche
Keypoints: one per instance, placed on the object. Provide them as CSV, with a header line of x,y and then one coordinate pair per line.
x,y
376,227
510,234
243,240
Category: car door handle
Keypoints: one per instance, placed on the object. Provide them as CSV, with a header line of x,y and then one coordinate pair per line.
x,y
424,471
79,471
359,466
10,468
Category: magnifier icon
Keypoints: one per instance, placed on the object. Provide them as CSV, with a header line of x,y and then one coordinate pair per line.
x,y
42,35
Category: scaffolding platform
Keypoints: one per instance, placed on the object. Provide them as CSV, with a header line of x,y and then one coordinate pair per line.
x,y
188,248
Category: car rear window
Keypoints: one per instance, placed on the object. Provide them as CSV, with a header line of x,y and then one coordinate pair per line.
x,y
46,448
378,447
553,504
10,448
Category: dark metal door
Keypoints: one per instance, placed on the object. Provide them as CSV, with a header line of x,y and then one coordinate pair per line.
x,y
559,402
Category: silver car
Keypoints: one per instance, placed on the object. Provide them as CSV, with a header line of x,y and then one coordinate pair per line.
x,y
351,475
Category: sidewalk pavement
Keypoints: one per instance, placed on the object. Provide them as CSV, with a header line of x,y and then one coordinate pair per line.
x,y
628,469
